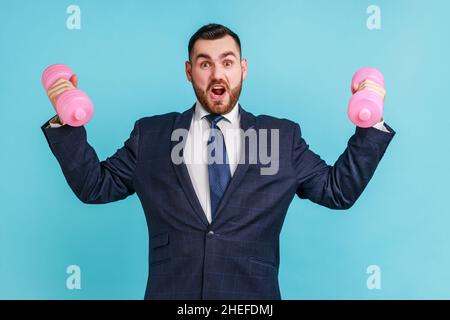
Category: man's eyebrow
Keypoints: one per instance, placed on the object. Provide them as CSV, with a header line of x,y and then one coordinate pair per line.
x,y
223,55
228,53
202,55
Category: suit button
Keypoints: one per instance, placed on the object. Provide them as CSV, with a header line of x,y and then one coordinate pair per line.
x,y
210,234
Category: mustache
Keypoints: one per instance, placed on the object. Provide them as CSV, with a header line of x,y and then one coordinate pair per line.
x,y
218,83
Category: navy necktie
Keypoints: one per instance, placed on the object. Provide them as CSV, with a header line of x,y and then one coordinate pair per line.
x,y
218,167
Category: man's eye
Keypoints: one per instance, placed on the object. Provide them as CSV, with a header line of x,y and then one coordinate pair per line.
x,y
204,64
228,63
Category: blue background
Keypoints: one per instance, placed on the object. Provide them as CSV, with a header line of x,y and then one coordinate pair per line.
x,y
130,55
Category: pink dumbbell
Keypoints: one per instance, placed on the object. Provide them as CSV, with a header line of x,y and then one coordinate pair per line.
x,y
365,107
73,106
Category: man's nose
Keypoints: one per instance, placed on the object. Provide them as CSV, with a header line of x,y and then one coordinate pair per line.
x,y
218,73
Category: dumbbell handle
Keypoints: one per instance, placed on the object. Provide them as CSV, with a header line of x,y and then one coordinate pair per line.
x,y
365,106
73,105
366,73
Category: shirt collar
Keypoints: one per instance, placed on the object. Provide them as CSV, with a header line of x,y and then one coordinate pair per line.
x,y
232,116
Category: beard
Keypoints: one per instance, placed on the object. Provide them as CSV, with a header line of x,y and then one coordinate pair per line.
x,y
218,106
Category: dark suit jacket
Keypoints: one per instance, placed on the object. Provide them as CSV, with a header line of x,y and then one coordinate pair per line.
x,y
237,255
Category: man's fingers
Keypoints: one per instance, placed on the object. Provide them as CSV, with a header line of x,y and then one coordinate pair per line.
x,y
371,85
61,86
57,92
74,80
377,90
58,88
53,100
60,82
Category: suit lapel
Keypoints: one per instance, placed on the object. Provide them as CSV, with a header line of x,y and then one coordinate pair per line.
x,y
183,121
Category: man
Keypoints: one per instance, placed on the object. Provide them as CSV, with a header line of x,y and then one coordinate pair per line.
x,y
214,224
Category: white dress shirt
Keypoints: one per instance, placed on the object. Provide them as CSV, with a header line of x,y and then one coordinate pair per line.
x,y
195,152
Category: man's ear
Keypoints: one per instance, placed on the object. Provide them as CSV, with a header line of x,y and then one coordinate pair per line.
x,y
244,66
188,70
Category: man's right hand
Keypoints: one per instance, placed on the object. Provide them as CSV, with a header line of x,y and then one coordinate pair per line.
x,y
60,86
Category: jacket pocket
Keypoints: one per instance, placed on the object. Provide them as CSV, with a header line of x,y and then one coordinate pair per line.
x,y
160,240
261,268
160,249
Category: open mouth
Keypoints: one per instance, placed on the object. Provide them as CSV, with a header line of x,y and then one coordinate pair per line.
x,y
218,92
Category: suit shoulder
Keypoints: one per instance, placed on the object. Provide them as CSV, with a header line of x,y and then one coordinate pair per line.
x,y
159,120
275,122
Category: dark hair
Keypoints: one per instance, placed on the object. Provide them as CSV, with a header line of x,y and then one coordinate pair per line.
x,y
212,31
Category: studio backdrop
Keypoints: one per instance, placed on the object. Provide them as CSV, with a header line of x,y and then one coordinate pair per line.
x,y
129,57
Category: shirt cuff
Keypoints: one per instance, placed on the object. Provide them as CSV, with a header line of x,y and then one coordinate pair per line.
x,y
380,126
54,122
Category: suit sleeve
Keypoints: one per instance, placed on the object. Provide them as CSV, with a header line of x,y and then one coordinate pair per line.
x,y
93,181
340,185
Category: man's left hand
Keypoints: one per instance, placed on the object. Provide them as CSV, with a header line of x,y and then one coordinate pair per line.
x,y
372,85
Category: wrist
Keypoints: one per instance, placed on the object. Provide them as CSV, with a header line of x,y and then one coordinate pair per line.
x,y
56,122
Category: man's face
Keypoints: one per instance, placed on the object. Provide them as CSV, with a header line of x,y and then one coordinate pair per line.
x,y
216,72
